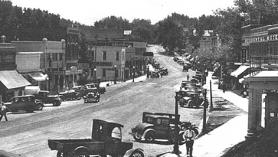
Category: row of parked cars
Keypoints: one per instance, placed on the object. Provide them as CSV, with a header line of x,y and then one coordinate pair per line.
x,y
35,100
191,93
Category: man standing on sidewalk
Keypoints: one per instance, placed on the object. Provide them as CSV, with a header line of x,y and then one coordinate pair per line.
x,y
3,111
189,136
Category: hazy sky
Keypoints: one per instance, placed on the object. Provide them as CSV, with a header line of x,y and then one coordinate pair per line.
x,y
89,11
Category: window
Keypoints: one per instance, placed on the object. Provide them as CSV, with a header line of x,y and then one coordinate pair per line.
x,y
8,58
117,56
54,56
103,73
60,56
104,55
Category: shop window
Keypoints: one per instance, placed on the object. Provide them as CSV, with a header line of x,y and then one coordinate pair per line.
x,y
103,72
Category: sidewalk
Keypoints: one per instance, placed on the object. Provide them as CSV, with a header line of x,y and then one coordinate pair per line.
x,y
111,83
216,142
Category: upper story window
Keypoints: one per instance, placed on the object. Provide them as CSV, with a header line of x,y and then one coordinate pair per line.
x,y
104,55
117,56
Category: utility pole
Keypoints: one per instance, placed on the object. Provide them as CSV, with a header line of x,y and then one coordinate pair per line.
x,y
205,105
210,90
176,143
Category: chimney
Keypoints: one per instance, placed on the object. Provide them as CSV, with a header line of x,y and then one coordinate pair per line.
x,y
3,39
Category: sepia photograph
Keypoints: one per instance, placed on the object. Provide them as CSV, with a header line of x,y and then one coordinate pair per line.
x,y
138,78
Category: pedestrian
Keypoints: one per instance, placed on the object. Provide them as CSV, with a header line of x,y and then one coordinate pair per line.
x,y
187,76
3,111
189,136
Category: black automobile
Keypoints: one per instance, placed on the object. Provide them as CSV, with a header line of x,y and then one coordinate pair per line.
x,y
26,103
101,90
70,95
92,96
46,98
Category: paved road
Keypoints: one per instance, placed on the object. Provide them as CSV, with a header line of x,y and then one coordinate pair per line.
x,y
27,134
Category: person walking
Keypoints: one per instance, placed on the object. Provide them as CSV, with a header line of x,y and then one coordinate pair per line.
x,y
189,137
187,76
3,111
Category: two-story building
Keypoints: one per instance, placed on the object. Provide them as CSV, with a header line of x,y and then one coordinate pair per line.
x,y
209,41
74,70
50,59
113,56
11,82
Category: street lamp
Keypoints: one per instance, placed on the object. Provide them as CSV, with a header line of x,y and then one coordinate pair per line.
x,y
115,69
133,71
176,143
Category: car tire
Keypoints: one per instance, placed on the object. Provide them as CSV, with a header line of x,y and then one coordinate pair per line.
x,y
190,103
137,153
150,137
40,107
136,137
56,103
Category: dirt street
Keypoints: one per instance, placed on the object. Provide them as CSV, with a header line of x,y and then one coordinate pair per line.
x,y
27,134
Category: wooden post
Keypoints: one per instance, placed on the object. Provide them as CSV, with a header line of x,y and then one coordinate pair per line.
x,y
210,90
176,144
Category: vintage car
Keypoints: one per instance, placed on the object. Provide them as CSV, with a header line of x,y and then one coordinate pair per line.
x,y
163,71
106,140
101,90
155,74
92,96
189,99
26,103
70,95
46,98
155,126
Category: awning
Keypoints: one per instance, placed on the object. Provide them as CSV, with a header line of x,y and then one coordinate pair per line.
x,y
12,79
38,76
239,70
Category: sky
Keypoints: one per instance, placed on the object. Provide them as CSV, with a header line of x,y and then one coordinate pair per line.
x,y
89,11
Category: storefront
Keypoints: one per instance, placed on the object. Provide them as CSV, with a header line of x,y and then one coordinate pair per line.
x,y
11,84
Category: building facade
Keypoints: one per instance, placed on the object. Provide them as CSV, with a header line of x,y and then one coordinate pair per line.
x,y
11,82
51,59
209,41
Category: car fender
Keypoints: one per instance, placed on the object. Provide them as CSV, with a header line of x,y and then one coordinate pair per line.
x,y
130,151
80,149
146,131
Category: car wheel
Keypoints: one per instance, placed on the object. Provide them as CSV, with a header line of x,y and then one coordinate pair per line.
x,y
190,103
137,153
149,136
56,103
40,107
61,154
137,137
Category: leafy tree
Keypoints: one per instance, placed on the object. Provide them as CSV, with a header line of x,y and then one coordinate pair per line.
x,y
169,34
112,22
142,30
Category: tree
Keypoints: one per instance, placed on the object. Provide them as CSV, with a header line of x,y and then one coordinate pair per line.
x,y
142,30
112,22
169,34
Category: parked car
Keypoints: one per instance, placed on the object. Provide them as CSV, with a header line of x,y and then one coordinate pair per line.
x,y
155,126
163,71
189,99
70,95
92,96
46,98
106,140
27,103
154,74
101,90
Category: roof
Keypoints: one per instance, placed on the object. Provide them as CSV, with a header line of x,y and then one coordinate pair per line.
x,y
239,70
12,79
